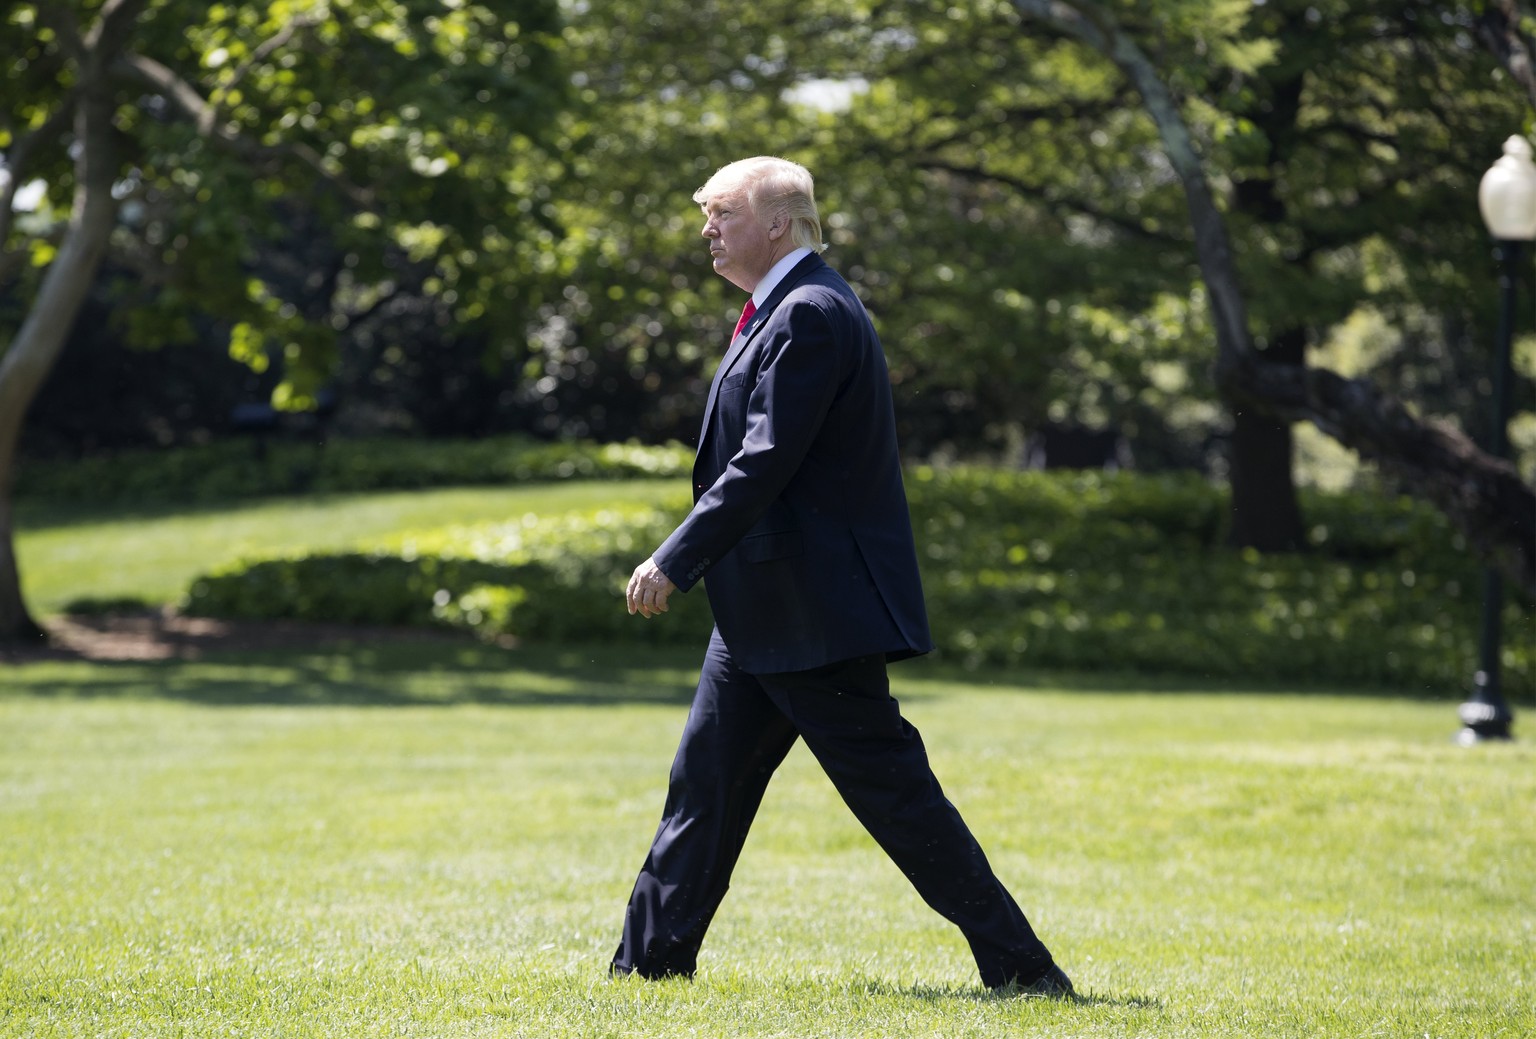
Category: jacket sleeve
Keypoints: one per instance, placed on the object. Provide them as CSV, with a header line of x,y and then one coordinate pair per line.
x,y
797,379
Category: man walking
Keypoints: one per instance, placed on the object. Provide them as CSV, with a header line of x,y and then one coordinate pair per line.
x,y
801,533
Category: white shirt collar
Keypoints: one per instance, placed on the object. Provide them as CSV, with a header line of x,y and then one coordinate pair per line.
x,y
776,274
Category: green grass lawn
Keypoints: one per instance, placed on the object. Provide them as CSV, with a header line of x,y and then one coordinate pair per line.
x,y
437,840
74,554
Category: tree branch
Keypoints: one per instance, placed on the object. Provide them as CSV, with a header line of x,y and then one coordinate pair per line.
x,y
113,26
267,47
1131,227
204,117
1482,494
375,308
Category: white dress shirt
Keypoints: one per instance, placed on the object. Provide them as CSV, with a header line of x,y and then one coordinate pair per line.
x,y
776,274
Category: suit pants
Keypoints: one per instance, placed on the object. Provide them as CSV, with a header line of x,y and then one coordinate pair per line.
x,y
740,728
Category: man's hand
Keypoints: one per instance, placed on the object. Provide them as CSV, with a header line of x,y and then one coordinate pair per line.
x,y
648,590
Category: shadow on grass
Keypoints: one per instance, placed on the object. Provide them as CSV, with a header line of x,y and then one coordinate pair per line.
x,y
936,993
937,670
401,674
403,670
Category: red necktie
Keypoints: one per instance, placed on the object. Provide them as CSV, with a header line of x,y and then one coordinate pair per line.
x,y
746,315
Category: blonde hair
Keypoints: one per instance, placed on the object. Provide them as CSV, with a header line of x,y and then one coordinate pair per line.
x,y
774,187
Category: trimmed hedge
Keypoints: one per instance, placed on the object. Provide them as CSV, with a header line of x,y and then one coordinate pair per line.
x,y
1082,571
553,580
236,469
1129,572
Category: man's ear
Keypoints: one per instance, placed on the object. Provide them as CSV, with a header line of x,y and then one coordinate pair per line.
x,y
776,229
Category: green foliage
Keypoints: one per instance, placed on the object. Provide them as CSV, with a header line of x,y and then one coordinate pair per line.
x,y
994,191
228,470
1085,571
1003,206
285,165
1130,571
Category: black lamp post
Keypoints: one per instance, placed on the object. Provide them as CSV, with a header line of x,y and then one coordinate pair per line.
x,y
1507,198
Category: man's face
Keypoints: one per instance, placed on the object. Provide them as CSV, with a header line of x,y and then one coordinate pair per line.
x,y
742,246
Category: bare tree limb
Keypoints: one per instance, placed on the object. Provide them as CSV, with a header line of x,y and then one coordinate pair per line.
x,y
1134,228
204,117
112,28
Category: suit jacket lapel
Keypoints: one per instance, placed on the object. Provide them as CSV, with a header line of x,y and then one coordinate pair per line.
x,y
738,346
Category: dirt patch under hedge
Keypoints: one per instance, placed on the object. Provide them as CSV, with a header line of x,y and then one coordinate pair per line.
x,y
168,635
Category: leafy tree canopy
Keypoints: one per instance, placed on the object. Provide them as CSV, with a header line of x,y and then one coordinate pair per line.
x,y
358,141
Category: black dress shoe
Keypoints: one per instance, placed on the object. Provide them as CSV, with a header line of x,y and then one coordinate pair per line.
x,y
1053,984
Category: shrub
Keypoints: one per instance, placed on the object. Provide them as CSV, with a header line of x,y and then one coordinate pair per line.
x,y
1080,571
550,580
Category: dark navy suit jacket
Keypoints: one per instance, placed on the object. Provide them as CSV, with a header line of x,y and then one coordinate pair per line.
x,y
800,526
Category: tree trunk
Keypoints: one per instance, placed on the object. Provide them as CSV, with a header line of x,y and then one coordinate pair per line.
x,y
1499,26
1265,512
40,339
16,625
